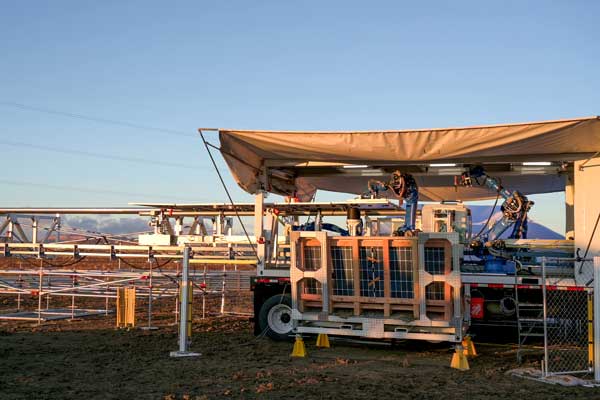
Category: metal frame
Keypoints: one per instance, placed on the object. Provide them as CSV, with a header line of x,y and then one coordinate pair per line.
x,y
325,320
13,225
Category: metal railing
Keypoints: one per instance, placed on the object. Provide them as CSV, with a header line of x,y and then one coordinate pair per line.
x,y
220,289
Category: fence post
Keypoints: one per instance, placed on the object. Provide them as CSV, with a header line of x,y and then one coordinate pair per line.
x,y
545,311
597,318
184,309
223,290
150,327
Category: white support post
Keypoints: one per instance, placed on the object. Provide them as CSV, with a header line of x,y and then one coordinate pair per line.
x,y
9,232
58,227
318,221
34,229
273,239
259,208
228,231
40,287
587,208
178,226
269,229
596,324
223,290
219,222
570,206
184,309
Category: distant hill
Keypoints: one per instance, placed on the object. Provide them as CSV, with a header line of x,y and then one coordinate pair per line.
x,y
480,214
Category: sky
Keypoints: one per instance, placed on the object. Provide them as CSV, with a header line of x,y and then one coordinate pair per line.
x,y
178,66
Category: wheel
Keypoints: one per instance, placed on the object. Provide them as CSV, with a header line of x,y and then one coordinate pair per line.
x,y
275,317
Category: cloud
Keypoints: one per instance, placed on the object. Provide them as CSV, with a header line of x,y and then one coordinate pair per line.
x,y
107,224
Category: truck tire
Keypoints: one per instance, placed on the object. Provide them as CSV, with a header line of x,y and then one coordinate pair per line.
x,y
275,317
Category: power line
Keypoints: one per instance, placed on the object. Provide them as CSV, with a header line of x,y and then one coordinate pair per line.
x,y
228,194
91,154
97,155
96,119
86,190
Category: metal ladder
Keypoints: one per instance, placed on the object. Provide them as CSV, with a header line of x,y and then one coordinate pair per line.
x,y
530,320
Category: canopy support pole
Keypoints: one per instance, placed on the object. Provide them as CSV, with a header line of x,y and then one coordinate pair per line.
x,y
184,287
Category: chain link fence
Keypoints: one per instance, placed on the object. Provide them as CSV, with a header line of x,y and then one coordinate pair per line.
x,y
567,329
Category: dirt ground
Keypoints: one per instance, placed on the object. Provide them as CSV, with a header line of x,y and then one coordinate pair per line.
x,y
89,359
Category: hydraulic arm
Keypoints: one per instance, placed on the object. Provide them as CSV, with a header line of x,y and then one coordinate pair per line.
x,y
514,209
405,188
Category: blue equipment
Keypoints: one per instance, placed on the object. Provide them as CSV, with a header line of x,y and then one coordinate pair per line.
x,y
514,213
310,226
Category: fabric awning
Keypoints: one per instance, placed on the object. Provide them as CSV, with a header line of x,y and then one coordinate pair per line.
x,y
275,160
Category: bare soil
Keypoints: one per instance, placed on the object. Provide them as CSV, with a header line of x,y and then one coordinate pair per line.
x,y
89,359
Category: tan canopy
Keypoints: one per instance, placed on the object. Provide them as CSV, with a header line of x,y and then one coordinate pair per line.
x,y
288,162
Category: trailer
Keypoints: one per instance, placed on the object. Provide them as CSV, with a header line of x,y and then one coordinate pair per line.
x,y
434,281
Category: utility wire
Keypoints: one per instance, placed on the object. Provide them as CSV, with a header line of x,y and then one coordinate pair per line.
x,y
85,190
90,154
95,119
97,155
228,194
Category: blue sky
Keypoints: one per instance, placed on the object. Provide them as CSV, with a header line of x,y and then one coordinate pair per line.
x,y
267,65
